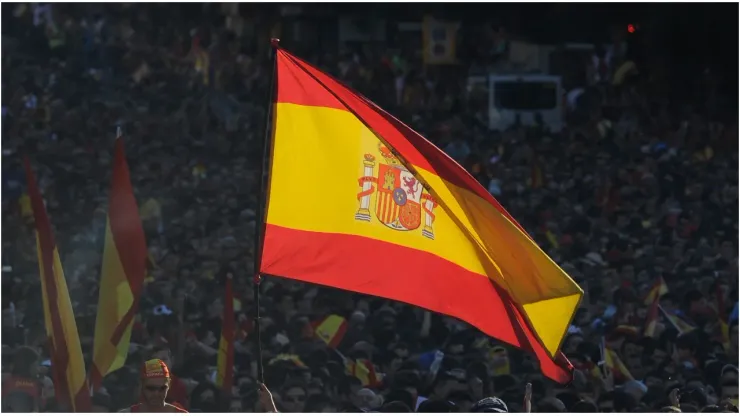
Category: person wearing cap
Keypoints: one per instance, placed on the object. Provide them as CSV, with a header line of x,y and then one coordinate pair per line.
x,y
178,392
155,384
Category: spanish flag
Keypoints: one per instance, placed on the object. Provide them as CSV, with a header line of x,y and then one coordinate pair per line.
x,y
122,276
537,179
651,320
359,201
721,315
364,371
659,289
681,326
331,330
225,373
615,366
70,382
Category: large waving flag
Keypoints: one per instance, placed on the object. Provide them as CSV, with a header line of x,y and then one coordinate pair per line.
x,y
359,201
225,372
122,276
70,382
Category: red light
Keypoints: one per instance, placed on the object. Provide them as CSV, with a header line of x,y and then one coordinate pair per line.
x,y
631,28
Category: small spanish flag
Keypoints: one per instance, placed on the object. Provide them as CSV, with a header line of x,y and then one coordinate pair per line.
x,y
651,320
721,316
681,325
659,289
292,358
537,179
615,365
382,211
364,371
225,372
331,330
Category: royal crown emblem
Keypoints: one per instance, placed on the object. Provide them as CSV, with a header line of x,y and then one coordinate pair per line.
x,y
401,202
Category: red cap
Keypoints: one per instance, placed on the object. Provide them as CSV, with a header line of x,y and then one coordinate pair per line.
x,y
155,368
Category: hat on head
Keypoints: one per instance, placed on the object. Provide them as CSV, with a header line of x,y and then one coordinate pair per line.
x,y
490,405
155,368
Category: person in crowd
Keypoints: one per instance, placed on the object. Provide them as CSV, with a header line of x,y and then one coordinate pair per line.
x,y
21,391
155,384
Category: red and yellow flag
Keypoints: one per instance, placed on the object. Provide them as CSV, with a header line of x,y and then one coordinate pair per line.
x,y
364,371
225,372
681,326
724,328
659,289
359,201
615,365
331,330
537,179
122,275
651,320
70,382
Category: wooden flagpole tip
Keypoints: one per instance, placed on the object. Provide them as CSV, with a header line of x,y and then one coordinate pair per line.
x,y
275,42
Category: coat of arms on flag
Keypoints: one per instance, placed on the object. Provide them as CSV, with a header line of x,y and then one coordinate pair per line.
x,y
400,197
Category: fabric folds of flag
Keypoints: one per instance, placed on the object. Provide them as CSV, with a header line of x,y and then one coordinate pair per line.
x,y
724,327
331,330
615,365
360,202
70,380
225,372
122,274
651,320
659,289
681,325
364,371
537,179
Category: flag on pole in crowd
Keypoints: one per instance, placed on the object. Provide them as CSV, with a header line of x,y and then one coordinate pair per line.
x,y
70,379
225,374
291,358
651,320
537,178
364,371
658,289
123,272
681,325
382,211
615,366
331,330
722,316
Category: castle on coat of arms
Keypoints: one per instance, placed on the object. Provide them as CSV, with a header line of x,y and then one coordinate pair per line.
x,y
401,202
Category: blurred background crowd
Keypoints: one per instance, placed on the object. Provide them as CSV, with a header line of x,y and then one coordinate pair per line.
x,y
627,178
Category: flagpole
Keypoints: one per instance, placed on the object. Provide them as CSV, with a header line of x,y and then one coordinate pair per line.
x,y
259,222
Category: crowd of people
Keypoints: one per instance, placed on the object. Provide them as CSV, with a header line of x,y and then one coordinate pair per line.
x,y
638,189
